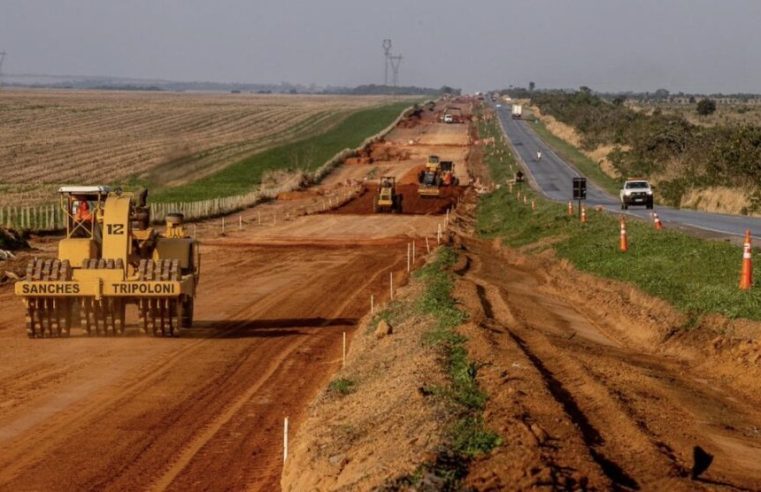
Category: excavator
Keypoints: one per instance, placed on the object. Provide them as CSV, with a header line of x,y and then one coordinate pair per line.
x,y
112,257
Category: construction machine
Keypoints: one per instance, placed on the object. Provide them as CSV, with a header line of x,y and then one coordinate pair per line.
x,y
448,177
432,164
387,199
112,257
429,179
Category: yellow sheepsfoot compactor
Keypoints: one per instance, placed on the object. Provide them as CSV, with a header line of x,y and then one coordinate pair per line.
x,y
112,257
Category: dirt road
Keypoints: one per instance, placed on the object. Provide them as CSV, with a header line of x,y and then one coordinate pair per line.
x,y
204,411
598,398
138,412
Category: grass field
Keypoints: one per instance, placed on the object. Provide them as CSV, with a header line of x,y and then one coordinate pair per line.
x,y
49,138
307,154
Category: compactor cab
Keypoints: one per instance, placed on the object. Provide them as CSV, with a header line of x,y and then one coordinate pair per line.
x,y
112,257
448,177
387,200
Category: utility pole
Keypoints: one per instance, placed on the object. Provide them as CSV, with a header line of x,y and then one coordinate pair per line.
x,y
386,55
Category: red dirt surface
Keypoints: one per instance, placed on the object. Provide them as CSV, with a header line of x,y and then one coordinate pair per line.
x,y
135,413
412,202
204,411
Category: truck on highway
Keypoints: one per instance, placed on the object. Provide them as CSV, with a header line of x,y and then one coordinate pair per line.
x,y
517,112
636,191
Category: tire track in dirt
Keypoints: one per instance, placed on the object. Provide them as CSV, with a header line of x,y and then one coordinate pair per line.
x,y
638,413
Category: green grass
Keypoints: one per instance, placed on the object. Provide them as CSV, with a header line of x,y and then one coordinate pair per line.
x,y
307,154
696,276
571,154
469,436
342,386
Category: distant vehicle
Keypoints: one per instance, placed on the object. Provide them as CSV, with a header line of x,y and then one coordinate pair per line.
x,y
517,112
499,105
448,118
636,191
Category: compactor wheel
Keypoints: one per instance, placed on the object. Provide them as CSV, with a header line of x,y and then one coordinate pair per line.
x,y
48,316
159,316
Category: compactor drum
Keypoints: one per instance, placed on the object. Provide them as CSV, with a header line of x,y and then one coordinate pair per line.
x,y
112,257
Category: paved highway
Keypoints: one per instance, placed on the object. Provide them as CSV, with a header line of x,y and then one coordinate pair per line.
x,y
552,177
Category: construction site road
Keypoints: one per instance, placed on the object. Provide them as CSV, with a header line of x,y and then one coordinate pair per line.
x,y
600,392
136,413
553,177
205,411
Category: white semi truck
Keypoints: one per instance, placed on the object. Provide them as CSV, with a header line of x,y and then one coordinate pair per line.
x,y
517,111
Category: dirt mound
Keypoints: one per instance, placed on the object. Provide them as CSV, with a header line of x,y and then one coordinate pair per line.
x,y
412,202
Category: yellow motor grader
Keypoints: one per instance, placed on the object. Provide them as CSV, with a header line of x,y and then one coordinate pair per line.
x,y
112,257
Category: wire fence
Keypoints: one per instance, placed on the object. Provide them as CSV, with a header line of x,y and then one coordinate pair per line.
x,y
51,218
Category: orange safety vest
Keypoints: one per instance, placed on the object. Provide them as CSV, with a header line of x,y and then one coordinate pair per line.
x,y
83,212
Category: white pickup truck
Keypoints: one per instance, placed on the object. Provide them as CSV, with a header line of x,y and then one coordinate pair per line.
x,y
636,191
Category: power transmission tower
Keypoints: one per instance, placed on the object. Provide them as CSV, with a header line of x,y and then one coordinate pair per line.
x,y
395,60
386,55
2,57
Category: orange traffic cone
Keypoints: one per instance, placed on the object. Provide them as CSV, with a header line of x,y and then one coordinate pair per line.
x,y
657,222
624,245
746,277
583,215
570,209
525,200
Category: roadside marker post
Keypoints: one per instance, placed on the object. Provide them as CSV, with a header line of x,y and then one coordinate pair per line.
x,y
408,257
657,222
427,247
624,243
570,209
372,304
223,225
583,215
285,439
240,222
746,276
